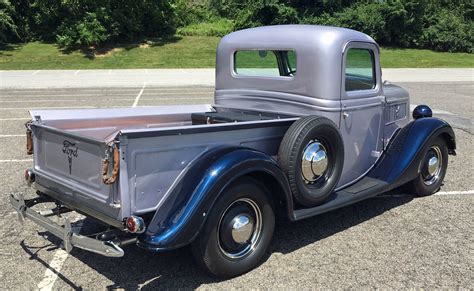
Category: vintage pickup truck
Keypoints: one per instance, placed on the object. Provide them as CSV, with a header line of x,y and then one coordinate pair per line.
x,y
302,124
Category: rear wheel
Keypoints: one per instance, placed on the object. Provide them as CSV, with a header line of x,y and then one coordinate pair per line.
x,y
432,167
238,232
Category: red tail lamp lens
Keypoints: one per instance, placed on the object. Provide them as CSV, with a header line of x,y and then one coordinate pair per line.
x,y
131,224
29,176
135,224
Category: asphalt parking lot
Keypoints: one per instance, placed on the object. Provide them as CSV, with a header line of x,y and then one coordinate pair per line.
x,y
392,241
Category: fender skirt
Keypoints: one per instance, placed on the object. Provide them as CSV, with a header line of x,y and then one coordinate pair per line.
x,y
179,219
400,162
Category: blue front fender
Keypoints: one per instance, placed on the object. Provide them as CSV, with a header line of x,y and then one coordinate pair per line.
x,y
184,211
400,162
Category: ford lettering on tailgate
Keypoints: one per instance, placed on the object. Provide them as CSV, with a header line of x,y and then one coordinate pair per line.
x,y
70,150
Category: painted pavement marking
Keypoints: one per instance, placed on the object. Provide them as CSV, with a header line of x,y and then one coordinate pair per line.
x,y
16,161
15,119
49,107
469,192
135,103
51,273
11,135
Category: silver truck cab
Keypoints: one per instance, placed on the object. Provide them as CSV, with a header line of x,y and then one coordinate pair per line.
x,y
337,75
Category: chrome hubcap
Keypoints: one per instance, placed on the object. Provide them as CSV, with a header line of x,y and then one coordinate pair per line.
x,y
314,162
432,166
240,228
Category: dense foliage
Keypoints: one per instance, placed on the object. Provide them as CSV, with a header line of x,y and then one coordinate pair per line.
x,y
8,28
444,25
91,22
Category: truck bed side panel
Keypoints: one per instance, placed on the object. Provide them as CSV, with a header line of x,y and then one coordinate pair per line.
x,y
155,163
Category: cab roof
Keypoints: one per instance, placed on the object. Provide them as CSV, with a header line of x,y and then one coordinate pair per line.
x,y
294,36
319,61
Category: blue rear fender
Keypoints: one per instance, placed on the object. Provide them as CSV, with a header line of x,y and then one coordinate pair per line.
x,y
179,219
400,161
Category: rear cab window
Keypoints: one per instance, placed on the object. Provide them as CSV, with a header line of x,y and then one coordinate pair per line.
x,y
360,69
265,63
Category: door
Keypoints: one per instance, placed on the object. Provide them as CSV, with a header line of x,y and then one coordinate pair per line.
x,y
362,104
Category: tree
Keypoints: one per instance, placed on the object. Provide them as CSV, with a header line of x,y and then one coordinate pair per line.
x,y
8,29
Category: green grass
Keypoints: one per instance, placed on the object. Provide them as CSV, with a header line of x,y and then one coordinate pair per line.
x,y
415,58
183,52
174,52
219,27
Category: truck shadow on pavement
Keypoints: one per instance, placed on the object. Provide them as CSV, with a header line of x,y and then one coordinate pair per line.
x,y
140,269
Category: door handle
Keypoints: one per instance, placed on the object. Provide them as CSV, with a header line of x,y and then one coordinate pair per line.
x,y
345,114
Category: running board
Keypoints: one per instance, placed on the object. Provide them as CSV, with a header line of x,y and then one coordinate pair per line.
x,y
365,188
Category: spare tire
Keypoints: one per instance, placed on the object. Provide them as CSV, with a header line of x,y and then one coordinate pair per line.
x,y
312,156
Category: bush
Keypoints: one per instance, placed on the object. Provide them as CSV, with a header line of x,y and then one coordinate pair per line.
x,y
389,24
441,25
89,31
93,22
448,32
193,12
407,24
8,29
262,13
219,28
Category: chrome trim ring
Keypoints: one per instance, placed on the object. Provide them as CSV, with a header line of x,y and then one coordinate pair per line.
x,y
245,229
314,162
432,165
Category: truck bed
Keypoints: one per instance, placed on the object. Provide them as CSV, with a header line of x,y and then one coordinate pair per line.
x,y
105,124
156,145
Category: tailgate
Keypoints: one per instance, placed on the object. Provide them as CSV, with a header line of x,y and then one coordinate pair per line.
x,y
71,165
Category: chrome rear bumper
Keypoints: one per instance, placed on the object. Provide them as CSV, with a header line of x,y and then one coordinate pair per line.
x,y
64,232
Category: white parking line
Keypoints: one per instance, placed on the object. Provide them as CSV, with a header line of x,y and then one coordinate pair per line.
x,y
16,161
11,135
135,103
51,276
86,92
77,72
35,72
51,273
14,119
49,107
455,192
64,100
33,98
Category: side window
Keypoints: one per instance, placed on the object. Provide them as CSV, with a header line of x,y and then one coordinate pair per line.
x,y
265,63
360,69
291,57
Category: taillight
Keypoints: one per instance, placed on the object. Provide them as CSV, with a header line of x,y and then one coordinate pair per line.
x,y
29,176
135,224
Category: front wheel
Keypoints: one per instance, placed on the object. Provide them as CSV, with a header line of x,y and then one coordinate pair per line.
x,y
238,231
432,169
